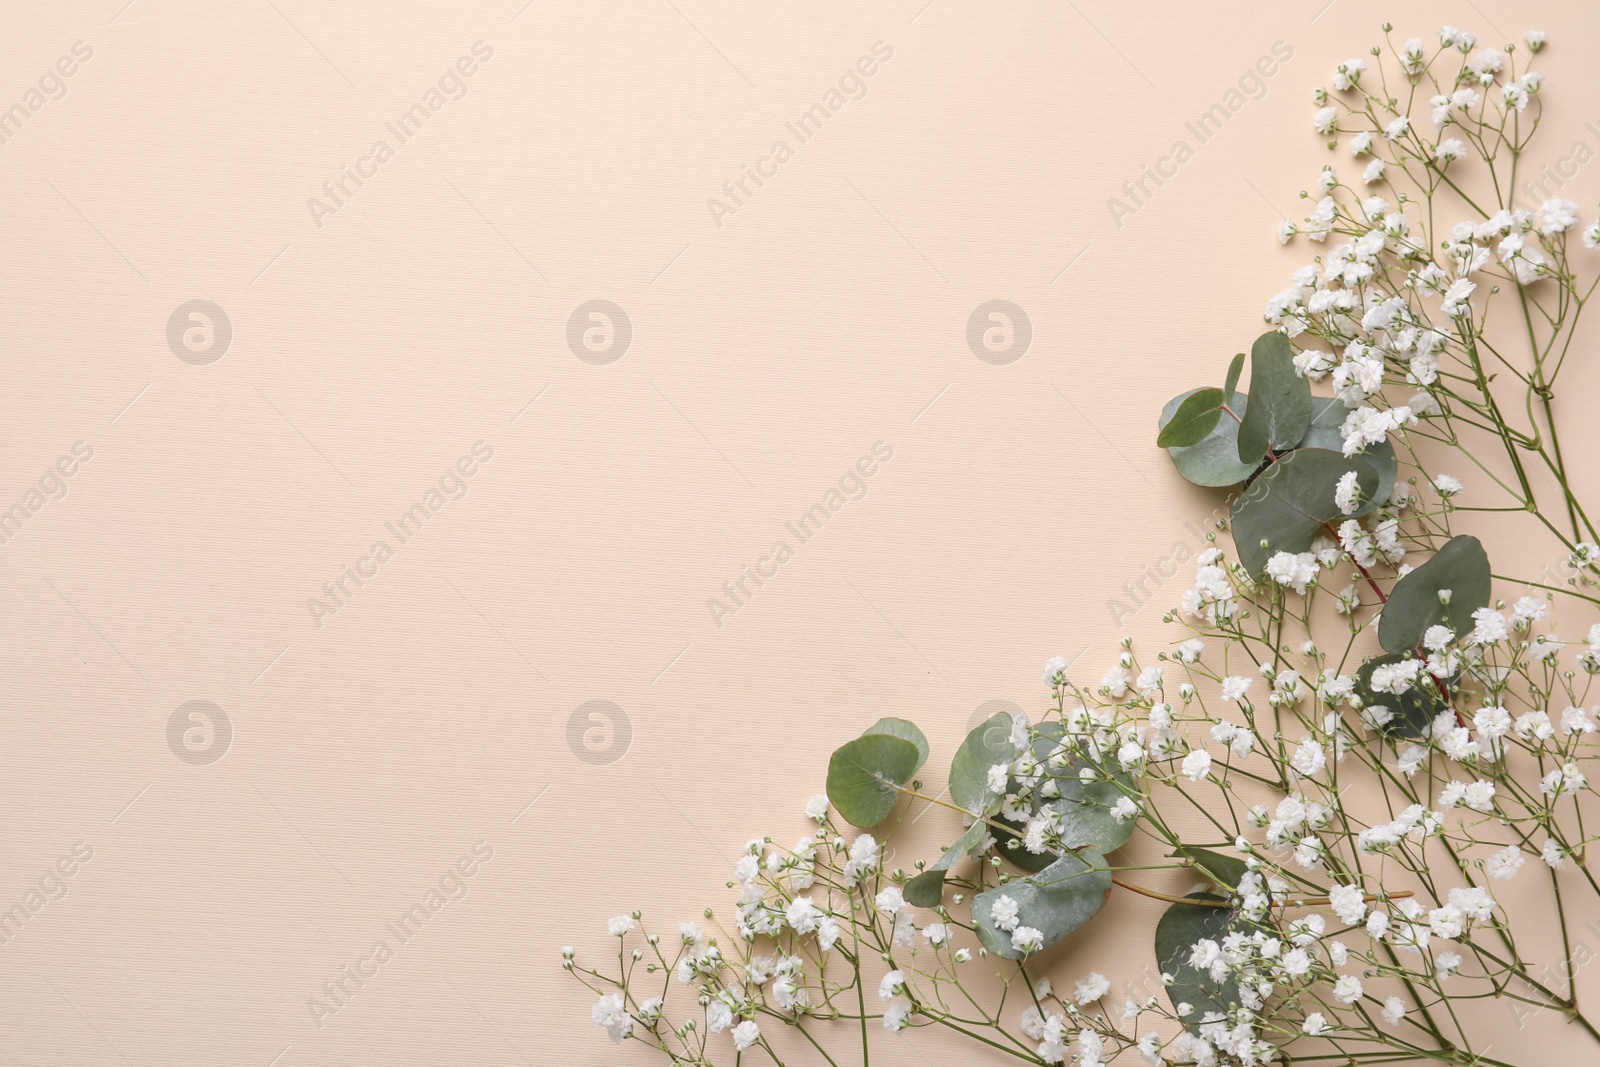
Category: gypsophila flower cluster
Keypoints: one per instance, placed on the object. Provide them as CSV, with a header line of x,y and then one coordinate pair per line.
x,y
1319,799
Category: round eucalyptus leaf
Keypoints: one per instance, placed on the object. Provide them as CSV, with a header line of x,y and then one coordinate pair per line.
x,y
1180,927
1227,870
1235,368
927,888
1462,567
1287,506
1085,803
1008,844
1214,461
1056,901
1280,400
863,775
1194,420
1414,710
902,728
989,743
1327,416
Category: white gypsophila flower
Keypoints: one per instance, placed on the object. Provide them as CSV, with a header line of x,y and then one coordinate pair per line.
x,y
610,1013
1294,570
1347,990
817,807
746,1034
1027,939
1348,73
1091,989
895,1016
892,985
1488,627
1234,687
1346,495
1197,764
1315,1024
619,925
1326,120
1004,912
1373,172
1505,864
1054,670
1349,903
1557,216
1457,297
1309,758
1394,1009
1412,57
1124,809
1091,1046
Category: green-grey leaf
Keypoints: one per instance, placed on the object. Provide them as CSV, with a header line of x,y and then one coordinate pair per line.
x,y
1227,870
1008,843
927,888
1234,367
1287,506
1214,461
1195,418
1462,567
988,743
1180,927
1085,805
1280,401
1327,417
902,728
1056,901
1414,710
863,774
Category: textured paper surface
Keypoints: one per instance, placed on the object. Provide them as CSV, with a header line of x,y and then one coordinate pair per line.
x,y
813,326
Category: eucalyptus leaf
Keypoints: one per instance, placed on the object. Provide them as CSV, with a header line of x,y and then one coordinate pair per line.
x,y
1414,710
1180,927
1462,567
863,776
1214,461
1227,870
1280,401
1287,506
902,728
1327,418
1194,420
1234,369
1008,843
1084,805
927,888
1056,901
987,744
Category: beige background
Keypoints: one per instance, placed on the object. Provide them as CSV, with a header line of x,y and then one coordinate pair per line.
x,y
768,354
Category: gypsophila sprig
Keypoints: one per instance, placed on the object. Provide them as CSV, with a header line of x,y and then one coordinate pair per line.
x,y
1367,726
